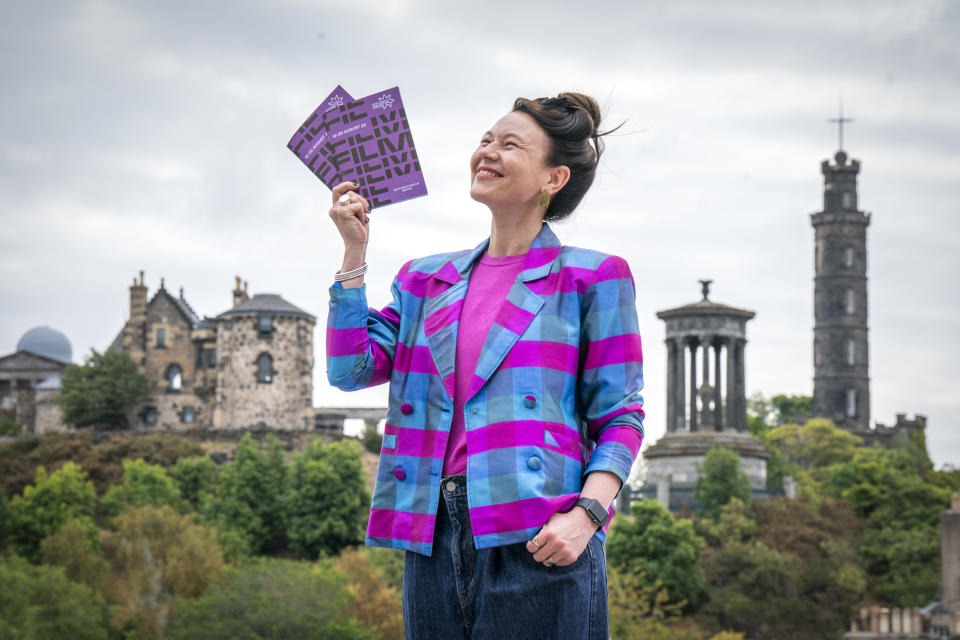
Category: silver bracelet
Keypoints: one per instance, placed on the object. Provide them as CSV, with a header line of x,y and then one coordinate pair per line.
x,y
359,271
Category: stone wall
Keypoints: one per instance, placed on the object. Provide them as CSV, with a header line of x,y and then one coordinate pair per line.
x,y
178,349
286,401
49,417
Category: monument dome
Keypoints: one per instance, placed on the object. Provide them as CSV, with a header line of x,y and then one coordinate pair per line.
x,y
47,342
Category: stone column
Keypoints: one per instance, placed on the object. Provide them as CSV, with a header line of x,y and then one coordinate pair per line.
x,y
741,387
717,404
679,389
693,385
671,384
731,385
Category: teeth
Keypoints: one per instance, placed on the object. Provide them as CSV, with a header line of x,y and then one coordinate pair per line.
x,y
487,172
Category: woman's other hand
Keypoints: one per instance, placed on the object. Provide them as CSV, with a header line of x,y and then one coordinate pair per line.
x,y
563,538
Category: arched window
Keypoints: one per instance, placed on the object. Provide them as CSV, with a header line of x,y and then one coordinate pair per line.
x,y
851,355
264,368
846,200
174,377
849,302
851,403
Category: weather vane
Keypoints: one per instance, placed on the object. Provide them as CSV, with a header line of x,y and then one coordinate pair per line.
x,y
840,122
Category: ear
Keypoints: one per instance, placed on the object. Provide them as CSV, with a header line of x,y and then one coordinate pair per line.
x,y
558,178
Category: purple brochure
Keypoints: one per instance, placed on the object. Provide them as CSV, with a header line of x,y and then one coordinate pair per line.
x,y
309,142
368,141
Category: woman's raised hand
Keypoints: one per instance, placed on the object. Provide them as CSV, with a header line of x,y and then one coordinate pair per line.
x,y
351,217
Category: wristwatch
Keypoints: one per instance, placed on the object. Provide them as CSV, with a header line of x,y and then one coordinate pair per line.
x,y
595,510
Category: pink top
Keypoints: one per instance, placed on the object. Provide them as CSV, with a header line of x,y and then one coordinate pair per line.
x,y
490,283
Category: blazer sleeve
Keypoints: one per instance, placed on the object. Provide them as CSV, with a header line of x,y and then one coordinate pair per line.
x,y
361,342
611,369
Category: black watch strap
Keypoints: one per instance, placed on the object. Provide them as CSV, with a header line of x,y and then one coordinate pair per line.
x,y
595,510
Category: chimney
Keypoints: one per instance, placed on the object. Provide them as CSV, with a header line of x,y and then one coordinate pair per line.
x,y
239,292
134,333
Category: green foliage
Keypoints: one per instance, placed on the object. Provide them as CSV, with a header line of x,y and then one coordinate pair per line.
x,y
817,443
638,609
143,485
47,504
10,427
901,545
372,439
40,603
734,524
270,599
102,390
102,460
4,523
78,552
328,499
195,476
250,499
667,550
374,602
720,481
157,555
765,413
389,562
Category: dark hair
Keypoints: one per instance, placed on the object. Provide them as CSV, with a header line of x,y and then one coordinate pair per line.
x,y
571,122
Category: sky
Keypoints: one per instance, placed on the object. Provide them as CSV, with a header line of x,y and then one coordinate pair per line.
x,y
151,136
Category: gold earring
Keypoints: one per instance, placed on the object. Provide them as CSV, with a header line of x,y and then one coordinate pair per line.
x,y
543,200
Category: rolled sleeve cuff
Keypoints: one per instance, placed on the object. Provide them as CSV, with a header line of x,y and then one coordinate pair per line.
x,y
618,448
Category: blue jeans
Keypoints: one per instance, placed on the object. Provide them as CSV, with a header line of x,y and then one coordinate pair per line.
x,y
500,593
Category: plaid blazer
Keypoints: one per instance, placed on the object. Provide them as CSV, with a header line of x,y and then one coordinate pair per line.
x,y
555,396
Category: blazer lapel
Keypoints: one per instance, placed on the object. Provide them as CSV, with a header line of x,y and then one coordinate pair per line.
x,y
442,313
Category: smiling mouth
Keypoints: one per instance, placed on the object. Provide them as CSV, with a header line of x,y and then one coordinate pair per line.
x,y
484,172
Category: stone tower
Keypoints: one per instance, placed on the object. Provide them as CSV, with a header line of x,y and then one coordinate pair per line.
x,y
841,378
706,401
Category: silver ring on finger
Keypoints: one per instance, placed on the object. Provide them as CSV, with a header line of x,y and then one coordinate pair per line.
x,y
344,199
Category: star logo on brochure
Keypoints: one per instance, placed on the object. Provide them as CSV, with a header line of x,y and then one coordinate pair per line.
x,y
385,102
335,101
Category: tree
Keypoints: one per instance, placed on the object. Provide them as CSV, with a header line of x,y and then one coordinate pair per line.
x,y
47,504
4,523
328,499
10,427
195,476
143,484
156,556
39,602
666,549
250,500
720,481
817,443
270,598
373,602
101,391
80,556
372,439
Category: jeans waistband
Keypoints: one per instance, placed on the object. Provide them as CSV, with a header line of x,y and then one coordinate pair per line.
x,y
454,486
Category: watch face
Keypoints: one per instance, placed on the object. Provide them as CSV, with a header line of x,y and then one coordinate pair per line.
x,y
598,512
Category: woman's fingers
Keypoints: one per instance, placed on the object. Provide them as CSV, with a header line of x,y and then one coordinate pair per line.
x,y
342,188
349,189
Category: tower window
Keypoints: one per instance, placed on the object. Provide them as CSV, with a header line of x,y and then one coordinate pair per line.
x,y
264,325
187,415
212,358
849,302
161,338
846,200
264,368
851,403
850,352
150,415
174,377
848,257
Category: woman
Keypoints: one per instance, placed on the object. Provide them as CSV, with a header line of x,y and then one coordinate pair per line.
x,y
515,412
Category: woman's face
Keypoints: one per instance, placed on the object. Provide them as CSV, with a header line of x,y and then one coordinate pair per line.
x,y
509,167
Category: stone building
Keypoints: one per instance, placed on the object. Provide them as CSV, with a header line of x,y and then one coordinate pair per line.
x,y
841,379
30,377
841,348
706,407
250,366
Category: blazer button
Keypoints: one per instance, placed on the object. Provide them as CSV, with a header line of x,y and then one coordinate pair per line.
x,y
529,402
399,474
533,463
406,408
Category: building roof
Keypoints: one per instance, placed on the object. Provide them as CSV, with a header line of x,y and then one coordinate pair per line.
x,y
270,303
705,307
47,342
180,302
